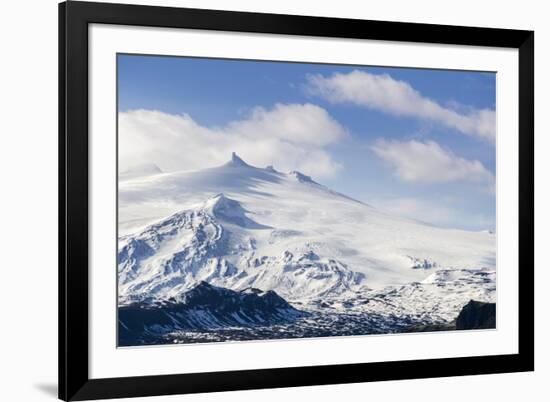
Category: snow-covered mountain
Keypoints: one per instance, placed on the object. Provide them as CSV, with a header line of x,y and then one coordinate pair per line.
x,y
237,226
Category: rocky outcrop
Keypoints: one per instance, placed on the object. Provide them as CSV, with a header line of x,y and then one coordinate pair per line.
x,y
205,307
477,315
474,315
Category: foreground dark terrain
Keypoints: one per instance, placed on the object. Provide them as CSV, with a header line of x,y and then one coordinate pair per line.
x,y
211,314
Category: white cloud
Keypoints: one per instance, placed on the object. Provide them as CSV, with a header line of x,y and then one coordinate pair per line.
x,y
288,136
383,93
295,123
428,162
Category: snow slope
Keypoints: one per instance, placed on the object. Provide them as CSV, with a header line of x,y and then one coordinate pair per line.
x,y
238,226
139,171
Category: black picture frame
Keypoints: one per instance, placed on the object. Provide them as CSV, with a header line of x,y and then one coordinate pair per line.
x,y
74,381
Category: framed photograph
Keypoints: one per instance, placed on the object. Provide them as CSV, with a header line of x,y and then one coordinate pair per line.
x,y
257,201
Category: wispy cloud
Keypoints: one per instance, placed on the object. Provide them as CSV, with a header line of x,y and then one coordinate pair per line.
x,y
437,213
289,136
383,93
428,162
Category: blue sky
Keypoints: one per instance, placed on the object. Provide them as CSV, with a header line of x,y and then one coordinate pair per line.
x,y
416,142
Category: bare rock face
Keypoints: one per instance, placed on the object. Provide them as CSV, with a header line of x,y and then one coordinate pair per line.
x,y
477,315
474,315
204,307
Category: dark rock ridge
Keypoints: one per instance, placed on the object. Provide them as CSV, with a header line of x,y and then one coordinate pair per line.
x,y
477,315
474,315
205,307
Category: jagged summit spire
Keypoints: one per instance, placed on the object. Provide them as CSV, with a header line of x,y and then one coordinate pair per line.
x,y
236,160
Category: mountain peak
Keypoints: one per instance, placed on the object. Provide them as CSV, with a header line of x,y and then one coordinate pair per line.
x,y
220,201
230,211
236,161
302,178
146,169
